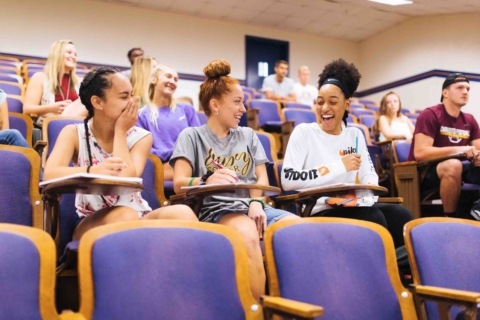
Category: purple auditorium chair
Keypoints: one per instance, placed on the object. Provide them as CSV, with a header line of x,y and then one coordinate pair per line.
x,y
202,118
412,116
23,123
14,104
351,118
444,253
373,107
369,121
347,266
404,111
246,97
8,64
268,144
298,106
300,116
153,193
366,101
356,106
168,270
250,91
401,150
12,88
31,72
27,273
9,77
8,70
20,200
360,112
52,127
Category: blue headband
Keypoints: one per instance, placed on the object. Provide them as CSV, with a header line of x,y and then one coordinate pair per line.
x,y
339,84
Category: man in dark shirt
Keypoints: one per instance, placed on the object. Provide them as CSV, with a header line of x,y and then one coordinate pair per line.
x,y
443,130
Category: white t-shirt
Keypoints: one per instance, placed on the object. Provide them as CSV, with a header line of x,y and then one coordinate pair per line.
x,y
283,88
306,94
319,161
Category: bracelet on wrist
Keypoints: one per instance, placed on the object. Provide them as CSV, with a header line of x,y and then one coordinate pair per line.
x,y
203,179
191,182
257,200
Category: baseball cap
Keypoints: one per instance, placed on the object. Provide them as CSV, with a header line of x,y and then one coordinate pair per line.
x,y
451,79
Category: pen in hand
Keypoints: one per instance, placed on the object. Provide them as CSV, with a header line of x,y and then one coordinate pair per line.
x,y
219,166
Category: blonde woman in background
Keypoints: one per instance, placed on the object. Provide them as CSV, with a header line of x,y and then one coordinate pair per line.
x,y
164,117
55,90
392,124
141,75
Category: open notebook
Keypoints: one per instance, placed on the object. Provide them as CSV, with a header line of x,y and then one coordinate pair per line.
x,y
214,185
89,176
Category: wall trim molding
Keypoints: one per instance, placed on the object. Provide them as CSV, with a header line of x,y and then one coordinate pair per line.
x,y
421,76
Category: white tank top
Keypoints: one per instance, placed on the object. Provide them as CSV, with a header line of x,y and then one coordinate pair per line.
x,y
87,204
398,127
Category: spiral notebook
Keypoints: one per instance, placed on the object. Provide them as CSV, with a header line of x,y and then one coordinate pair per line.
x,y
89,176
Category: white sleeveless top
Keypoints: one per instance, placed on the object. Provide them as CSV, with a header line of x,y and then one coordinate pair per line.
x,y
87,204
398,127
48,97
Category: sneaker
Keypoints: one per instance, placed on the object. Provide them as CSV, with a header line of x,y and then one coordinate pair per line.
x,y
475,211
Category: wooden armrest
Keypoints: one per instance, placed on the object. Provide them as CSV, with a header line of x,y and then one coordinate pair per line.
x,y
459,156
436,293
381,143
278,305
290,197
177,197
406,164
390,200
39,146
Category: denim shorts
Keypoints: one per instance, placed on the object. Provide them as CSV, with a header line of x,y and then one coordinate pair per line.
x,y
273,215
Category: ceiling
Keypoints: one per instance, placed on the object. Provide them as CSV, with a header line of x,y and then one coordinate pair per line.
x,y
353,20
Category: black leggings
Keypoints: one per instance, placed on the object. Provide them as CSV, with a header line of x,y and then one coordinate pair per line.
x,y
391,216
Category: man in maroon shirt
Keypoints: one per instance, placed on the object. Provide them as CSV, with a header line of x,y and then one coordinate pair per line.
x,y
443,130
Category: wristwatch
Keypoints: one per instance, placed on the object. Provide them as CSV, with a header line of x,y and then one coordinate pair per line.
x,y
203,179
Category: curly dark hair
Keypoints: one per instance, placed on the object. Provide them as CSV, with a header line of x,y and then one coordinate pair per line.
x,y
343,71
346,73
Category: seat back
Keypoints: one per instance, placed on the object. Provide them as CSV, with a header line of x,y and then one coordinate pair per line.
x,y
352,119
268,143
366,101
14,104
444,252
267,110
300,116
163,270
412,116
360,112
10,70
401,150
20,201
153,183
347,266
356,106
12,88
202,118
250,91
9,77
373,107
23,124
27,273
294,105
52,126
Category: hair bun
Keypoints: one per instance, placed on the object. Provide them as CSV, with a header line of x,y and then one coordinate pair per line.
x,y
217,68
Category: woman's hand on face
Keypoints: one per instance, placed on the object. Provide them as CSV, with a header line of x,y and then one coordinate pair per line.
x,y
110,166
256,213
129,116
222,176
352,162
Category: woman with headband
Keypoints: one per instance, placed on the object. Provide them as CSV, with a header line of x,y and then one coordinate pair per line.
x,y
336,153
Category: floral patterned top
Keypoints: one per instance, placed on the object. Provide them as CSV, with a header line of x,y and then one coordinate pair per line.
x,y
87,204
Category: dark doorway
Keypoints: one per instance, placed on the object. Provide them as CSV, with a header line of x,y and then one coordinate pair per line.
x,y
261,55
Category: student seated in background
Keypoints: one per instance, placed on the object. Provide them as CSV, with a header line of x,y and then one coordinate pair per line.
x,y
141,75
278,86
55,91
108,144
336,153
132,55
392,124
442,130
9,136
164,117
305,93
201,152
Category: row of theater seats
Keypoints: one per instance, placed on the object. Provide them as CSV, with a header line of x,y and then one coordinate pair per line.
x,y
185,270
